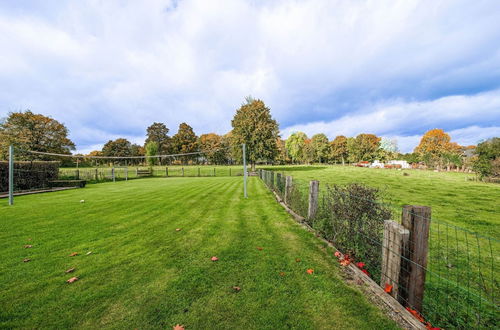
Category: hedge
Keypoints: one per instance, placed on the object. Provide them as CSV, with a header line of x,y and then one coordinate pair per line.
x,y
29,175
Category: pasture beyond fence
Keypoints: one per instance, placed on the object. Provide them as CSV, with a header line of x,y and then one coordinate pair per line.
x,y
443,274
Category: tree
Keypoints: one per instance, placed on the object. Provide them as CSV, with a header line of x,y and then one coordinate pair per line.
x,y
117,148
185,141
158,132
365,147
433,145
282,157
152,150
487,162
29,131
254,126
215,148
388,149
321,147
309,153
295,146
338,149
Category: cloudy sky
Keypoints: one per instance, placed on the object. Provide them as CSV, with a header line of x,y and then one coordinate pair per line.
x,y
108,69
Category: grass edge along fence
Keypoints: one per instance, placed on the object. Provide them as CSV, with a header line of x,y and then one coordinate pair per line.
x,y
443,274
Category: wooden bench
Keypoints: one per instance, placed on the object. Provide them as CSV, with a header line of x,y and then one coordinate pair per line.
x,y
68,183
143,172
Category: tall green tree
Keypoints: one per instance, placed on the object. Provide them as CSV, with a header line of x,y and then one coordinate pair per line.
x,y
365,147
295,145
321,147
158,132
29,131
117,148
185,141
254,126
215,148
487,162
338,149
152,150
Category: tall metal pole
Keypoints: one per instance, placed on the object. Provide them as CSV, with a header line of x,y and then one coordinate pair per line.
x,y
244,170
11,175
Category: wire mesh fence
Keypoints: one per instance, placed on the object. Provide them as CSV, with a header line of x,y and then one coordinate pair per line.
x,y
398,247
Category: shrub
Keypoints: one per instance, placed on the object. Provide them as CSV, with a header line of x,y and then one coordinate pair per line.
x,y
29,175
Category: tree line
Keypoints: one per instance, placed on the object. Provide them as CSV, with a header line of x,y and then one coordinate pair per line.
x,y
253,125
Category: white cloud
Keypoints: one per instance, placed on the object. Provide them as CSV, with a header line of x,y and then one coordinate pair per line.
x,y
117,66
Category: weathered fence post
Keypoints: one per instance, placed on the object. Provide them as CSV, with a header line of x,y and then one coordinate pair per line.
x,y
271,173
11,175
229,171
77,174
417,219
214,171
198,171
136,172
394,242
313,199
166,171
96,174
113,174
126,173
183,171
288,188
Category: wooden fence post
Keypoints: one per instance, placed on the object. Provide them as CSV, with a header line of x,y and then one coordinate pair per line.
x,y
393,245
166,171
271,173
113,174
214,171
288,188
126,173
313,199
229,171
136,172
183,171
198,171
417,219
96,174
77,174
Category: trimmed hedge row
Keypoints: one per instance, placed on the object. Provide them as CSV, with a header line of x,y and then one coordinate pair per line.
x,y
29,175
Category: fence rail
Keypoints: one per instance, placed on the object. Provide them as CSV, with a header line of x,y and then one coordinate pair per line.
x,y
445,275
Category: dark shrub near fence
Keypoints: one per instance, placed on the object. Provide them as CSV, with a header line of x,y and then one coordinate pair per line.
x,y
28,175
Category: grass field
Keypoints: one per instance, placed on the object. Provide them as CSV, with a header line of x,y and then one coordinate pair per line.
x,y
453,198
142,273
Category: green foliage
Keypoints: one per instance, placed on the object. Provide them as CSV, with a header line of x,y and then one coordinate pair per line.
x,y
152,150
339,151
321,147
364,147
254,126
295,146
488,158
185,141
29,131
215,148
158,132
117,148
29,175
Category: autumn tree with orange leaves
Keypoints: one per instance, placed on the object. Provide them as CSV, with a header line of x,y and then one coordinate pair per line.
x,y
436,148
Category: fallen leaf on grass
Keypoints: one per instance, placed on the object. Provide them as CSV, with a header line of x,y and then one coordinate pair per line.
x,y
338,254
366,272
416,314
282,273
345,262
388,288
27,260
360,264
297,260
73,279
71,270
178,327
28,246
178,229
214,259
310,271
73,254
259,248
90,252
236,288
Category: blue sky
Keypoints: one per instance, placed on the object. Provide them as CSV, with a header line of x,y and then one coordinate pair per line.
x,y
108,69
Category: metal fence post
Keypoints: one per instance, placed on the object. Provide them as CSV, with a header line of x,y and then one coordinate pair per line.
x,y
11,175
126,173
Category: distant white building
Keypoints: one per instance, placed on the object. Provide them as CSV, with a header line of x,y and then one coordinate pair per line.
x,y
377,164
403,163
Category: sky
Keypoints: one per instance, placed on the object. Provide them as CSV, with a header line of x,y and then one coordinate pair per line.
x,y
109,69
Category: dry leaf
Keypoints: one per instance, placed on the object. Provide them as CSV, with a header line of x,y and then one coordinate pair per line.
x,y
297,260
345,262
90,252
282,273
28,246
178,229
310,271
178,327
73,254
214,258
259,248
73,279
71,270
388,288
338,254
360,264
27,260
236,288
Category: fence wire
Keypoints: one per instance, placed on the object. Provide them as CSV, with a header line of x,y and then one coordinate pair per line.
x,y
461,281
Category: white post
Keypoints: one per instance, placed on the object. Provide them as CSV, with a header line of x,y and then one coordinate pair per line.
x,y
244,170
11,175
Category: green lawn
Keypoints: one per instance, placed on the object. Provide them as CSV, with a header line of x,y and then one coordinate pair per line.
x,y
142,273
